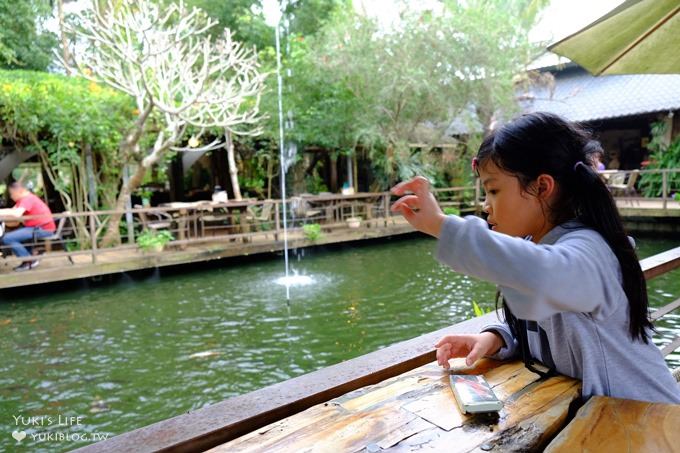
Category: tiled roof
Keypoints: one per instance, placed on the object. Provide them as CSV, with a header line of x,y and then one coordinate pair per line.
x,y
579,96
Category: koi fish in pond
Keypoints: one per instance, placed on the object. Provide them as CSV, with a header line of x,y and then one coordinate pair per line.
x,y
200,355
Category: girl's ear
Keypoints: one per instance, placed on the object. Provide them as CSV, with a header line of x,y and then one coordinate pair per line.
x,y
545,186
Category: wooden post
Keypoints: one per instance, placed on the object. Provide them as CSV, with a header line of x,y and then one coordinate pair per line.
x,y
664,188
195,222
245,226
386,207
355,171
182,226
350,178
329,215
93,236
278,221
333,157
128,207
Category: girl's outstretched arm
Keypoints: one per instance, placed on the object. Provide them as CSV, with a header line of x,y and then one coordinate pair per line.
x,y
538,280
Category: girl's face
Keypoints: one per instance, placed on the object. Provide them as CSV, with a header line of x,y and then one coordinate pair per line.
x,y
511,210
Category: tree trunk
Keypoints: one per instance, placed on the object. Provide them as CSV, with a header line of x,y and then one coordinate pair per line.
x,y
233,171
355,171
270,176
65,52
112,236
176,179
333,156
91,181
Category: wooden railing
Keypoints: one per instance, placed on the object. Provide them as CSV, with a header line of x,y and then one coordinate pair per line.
x,y
200,222
221,422
626,184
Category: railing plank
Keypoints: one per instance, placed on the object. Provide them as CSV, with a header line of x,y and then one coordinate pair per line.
x,y
672,346
661,263
665,310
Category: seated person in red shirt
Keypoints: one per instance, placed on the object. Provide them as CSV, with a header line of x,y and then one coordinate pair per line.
x,y
26,204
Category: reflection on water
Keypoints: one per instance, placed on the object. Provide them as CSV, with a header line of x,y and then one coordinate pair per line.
x,y
126,355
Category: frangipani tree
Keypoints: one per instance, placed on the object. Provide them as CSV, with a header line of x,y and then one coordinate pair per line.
x,y
179,77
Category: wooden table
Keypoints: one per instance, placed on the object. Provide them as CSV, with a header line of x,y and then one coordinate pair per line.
x,y
182,215
334,204
612,424
416,410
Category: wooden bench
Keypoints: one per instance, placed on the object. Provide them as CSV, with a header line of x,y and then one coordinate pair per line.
x,y
612,424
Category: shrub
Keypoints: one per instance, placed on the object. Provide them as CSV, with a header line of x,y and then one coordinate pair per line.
x,y
312,231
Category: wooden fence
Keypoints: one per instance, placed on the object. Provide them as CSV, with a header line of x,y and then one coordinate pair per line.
x,y
206,221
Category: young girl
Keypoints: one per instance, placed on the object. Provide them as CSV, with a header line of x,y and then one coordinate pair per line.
x,y
574,294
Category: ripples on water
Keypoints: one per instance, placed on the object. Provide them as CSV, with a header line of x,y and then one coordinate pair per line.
x,y
145,349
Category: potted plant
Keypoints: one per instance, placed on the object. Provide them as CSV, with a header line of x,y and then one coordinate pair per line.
x,y
153,241
312,231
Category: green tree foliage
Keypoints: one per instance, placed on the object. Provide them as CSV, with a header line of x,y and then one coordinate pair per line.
x,y
58,117
245,18
663,156
307,17
350,83
24,43
359,83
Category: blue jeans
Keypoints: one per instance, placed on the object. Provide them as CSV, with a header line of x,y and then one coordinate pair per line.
x,y
15,238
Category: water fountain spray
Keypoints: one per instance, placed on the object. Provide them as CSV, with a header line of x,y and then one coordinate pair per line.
x,y
282,152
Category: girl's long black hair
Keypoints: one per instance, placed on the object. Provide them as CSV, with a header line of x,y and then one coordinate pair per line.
x,y
544,143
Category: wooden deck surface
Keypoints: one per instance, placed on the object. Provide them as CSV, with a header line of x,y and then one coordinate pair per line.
x,y
611,424
417,411
640,207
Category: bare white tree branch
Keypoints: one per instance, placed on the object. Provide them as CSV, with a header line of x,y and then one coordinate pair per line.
x,y
177,75
164,58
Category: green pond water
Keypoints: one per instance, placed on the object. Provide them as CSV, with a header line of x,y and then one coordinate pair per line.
x,y
145,348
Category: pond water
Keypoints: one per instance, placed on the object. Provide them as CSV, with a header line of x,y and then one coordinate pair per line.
x,y
125,355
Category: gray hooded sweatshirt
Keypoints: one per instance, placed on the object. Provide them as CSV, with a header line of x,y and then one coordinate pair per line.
x,y
570,283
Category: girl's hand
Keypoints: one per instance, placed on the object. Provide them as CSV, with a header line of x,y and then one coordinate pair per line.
x,y
420,209
471,346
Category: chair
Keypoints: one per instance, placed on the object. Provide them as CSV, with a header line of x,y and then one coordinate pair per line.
x,y
264,214
214,222
617,185
302,209
617,179
163,220
56,236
